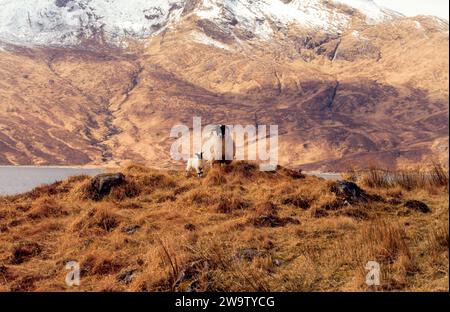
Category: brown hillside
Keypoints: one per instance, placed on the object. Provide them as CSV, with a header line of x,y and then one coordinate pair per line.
x,y
379,94
237,229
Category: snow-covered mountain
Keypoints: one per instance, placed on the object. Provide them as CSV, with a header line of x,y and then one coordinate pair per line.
x,y
68,22
348,82
60,22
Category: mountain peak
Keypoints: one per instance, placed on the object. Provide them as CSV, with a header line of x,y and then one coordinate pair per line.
x,y
70,22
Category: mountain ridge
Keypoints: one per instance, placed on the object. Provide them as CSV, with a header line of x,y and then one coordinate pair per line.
x,y
374,93
69,22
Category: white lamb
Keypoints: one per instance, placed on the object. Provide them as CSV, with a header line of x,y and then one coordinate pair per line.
x,y
195,163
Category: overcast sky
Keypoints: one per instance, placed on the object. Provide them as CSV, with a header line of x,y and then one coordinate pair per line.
x,y
417,7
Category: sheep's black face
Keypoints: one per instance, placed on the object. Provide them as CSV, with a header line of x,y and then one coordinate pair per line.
x,y
221,130
199,156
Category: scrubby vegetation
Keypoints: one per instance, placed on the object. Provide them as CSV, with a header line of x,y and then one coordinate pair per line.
x,y
434,178
237,229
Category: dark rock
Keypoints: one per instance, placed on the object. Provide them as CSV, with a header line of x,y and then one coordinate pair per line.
x,y
234,21
349,191
61,3
215,32
243,34
418,206
126,277
190,6
130,229
153,13
102,184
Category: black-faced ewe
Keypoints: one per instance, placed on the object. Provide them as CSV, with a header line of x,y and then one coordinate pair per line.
x,y
225,141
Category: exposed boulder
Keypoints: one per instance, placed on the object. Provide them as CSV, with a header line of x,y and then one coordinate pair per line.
x,y
130,229
349,191
418,206
102,184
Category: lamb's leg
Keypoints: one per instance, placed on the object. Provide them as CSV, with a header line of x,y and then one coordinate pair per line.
x,y
188,169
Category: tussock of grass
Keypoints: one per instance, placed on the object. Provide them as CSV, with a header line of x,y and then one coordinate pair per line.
x,y
385,243
102,218
438,239
237,229
229,203
46,207
215,177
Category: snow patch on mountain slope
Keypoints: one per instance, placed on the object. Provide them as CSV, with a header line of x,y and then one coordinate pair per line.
x,y
204,39
258,16
368,7
67,22
137,16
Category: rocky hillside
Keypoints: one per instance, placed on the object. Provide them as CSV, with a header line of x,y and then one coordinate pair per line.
x,y
95,82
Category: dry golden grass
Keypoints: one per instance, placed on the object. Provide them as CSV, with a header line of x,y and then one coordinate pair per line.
x,y
436,177
237,229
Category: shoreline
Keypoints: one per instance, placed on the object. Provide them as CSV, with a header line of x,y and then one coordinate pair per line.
x,y
107,168
88,167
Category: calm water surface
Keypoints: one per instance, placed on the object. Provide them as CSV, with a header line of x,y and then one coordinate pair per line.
x,y
16,180
326,176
